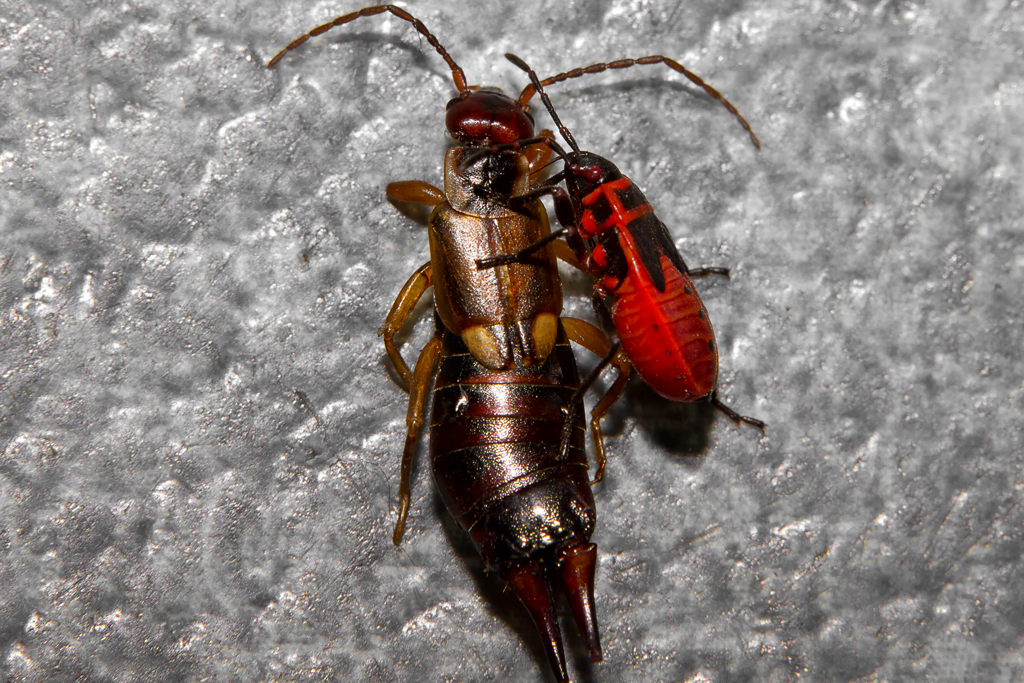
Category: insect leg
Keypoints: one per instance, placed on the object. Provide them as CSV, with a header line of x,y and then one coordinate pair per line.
x,y
413,423
539,155
562,250
414,192
414,288
707,270
733,415
594,340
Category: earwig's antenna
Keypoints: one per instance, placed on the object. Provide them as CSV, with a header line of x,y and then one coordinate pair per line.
x,y
458,75
534,87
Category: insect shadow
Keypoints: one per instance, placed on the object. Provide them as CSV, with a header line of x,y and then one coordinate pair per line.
x,y
680,428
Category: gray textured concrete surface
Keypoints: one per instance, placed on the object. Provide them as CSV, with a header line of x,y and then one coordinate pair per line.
x,y
200,437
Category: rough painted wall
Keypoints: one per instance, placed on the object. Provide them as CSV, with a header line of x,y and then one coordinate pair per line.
x,y
200,437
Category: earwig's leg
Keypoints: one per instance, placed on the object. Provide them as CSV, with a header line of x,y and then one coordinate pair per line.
x,y
409,192
539,155
413,423
733,415
398,315
415,199
594,340
414,192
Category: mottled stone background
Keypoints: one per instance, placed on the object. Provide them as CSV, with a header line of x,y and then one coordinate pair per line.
x,y
200,437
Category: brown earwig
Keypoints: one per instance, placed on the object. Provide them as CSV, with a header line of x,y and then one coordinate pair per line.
x,y
506,428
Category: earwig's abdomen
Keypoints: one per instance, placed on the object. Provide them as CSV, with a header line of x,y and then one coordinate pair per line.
x,y
496,453
667,335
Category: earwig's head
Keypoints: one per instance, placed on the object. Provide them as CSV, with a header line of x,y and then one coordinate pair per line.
x,y
487,115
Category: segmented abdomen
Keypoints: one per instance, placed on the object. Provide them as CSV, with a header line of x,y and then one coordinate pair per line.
x,y
667,335
496,452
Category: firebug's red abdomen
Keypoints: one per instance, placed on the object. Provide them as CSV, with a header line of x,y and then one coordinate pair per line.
x,y
665,330
667,335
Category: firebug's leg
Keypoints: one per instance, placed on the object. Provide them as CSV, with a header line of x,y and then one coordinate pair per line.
x,y
564,252
707,270
414,288
594,340
564,210
520,203
733,415
413,423
529,90
577,397
525,146
517,203
713,398
414,192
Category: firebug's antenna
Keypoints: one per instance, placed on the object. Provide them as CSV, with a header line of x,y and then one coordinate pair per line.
x,y
539,87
